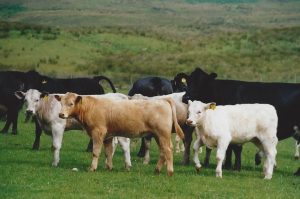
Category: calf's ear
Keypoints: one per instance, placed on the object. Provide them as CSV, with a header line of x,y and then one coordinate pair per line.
x,y
44,94
57,97
78,99
211,105
19,94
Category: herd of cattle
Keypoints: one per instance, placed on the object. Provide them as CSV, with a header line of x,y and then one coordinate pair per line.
x,y
223,113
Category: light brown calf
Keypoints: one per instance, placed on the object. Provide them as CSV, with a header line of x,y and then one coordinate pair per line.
x,y
104,118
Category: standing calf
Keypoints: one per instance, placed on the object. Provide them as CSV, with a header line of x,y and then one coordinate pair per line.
x,y
104,118
219,126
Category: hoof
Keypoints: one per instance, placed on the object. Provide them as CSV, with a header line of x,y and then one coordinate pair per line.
x,y
198,169
296,157
92,169
219,175
156,171
170,173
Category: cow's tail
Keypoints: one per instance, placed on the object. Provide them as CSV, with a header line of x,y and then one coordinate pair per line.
x,y
99,78
178,129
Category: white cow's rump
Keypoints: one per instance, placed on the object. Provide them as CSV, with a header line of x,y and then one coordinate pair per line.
x,y
47,108
217,126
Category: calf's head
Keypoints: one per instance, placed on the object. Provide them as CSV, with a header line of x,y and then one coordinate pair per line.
x,y
196,111
32,99
69,104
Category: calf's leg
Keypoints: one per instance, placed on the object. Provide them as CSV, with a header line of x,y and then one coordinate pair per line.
x,y
98,137
297,145
38,133
147,143
125,145
108,145
188,136
197,145
221,151
57,136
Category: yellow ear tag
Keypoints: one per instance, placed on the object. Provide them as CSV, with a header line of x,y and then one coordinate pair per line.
x,y
46,97
183,80
212,106
44,82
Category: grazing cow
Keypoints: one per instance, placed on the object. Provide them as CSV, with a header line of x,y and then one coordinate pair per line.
x,y
181,114
104,118
84,86
46,109
217,126
11,81
284,97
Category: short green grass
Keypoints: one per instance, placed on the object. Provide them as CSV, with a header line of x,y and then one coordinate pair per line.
x,y
28,174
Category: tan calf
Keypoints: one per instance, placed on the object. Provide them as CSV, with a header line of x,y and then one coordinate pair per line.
x,y
104,118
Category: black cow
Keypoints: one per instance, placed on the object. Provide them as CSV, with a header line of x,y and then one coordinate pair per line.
x,y
11,81
154,86
285,97
83,86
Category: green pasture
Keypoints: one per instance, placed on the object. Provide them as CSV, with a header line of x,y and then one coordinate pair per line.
x,y
25,173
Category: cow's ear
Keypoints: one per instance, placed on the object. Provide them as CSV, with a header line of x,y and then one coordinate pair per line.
x,y
78,99
57,97
211,105
43,95
213,75
19,94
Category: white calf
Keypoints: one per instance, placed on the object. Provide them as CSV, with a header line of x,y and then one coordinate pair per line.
x,y
217,126
47,108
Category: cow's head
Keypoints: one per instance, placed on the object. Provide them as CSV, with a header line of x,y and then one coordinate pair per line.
x,y
196,110
199,86
69,104
179,83
32,99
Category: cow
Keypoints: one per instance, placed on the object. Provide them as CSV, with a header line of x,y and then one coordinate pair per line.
x,y
285,97
82,85
218,126
181,114
104,118
155,86
46,108
11,81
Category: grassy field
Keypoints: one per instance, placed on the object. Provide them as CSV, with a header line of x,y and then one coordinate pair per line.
x,y
253,40
28,174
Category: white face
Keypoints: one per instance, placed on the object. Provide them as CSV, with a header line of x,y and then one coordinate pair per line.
x,y
195,110
32,99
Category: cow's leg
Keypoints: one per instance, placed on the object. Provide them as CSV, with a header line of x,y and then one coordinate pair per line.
x,y
8,122
237,149
269,145
228,164
258,157
297,145
147,143
89,148
207,157
57,136
98,137
221,151
125,145
188,136
108,145
197,145
15,122
297,173
142,150
38,133
177,144
166,153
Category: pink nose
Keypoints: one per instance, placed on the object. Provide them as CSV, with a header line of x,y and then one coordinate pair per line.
x,y
189,122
